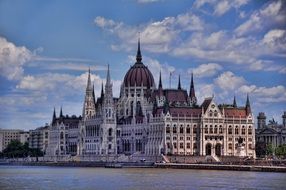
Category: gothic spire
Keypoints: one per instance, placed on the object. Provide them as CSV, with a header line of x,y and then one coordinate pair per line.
x,y
160,81
102,93
54,115
61,112
192,88
247,106
179,83
89,100
234,102
108,76
138,56
88,86
192,95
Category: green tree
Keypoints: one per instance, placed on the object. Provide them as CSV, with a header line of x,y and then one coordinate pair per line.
x,y
280,151
15,149
269,149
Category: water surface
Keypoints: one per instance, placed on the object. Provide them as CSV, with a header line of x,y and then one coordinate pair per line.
x,y
41,177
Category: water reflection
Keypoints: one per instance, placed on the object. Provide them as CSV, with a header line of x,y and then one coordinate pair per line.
x,y
24,177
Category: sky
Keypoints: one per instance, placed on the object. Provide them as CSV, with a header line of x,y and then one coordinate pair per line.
x,y
233,47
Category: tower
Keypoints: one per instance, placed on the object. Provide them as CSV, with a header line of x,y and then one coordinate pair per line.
x,y
108,98
261,120
89,100
109,121
192,95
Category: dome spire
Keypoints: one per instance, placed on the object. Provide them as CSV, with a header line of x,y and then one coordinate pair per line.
x,y
138,56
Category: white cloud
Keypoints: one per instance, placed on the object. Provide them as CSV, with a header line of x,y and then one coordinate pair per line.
x,y
265,94
229,81
261,19
220,7
156,36
205,70
12,59
67,66
203,91
274,35
63,84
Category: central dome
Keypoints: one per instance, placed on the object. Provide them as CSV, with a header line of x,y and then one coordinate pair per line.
x,y
139,74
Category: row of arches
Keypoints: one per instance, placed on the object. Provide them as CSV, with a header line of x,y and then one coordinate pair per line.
x,y
217,149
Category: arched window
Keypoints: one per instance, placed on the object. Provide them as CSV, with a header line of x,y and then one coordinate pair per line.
x,y
236,130
188,130
174,129
181,130
243,130
62,135
215,113
215,129
211,129
229,130
195,129
230,146
167,129
250,130
220,129
206,129
110,132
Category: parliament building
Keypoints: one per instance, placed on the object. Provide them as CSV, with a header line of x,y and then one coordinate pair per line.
x,y
152,120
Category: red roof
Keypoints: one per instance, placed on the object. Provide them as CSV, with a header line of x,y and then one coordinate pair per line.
x,y
139,74
235,112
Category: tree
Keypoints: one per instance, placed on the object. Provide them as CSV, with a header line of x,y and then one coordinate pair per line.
x,y
15,149
280,151
269,149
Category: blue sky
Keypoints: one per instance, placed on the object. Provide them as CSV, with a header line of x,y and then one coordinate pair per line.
x,y
233,47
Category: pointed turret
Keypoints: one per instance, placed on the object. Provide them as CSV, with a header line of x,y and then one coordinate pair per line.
x,y
160,82
247,106
179,83
61,112
89,86
234,102
102,92
192,95
108,81
89,100
108,97
54,115
138,56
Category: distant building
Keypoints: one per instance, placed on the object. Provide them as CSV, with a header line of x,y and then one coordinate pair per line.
x,y
63,135
39,138
7,135
271,133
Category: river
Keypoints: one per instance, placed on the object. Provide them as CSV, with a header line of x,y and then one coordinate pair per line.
x,y
41,177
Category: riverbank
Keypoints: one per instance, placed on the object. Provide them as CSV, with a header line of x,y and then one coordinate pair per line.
x,y
154,165
222,167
